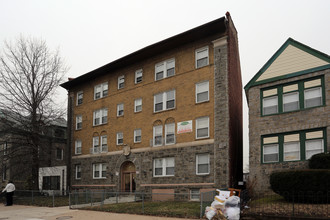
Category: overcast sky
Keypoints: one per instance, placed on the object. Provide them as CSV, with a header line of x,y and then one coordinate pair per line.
x,y
92,33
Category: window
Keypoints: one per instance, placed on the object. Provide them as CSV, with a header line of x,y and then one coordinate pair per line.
x,y
120,138
314,143
138,105
78,147
137,135
100,117
59,154
3,148
194,194
78,122
294,146
169,133
202,127
51,182
294,96
291,147
164,69
164,166
96,145
120,109
100,90
290,101
99,170
158,135
121,82
202,164
78,171
270,105
80,97
138,76
164,101
104,143
202,92
202,57
313,97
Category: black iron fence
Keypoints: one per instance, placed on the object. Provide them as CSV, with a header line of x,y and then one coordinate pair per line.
x,y
49,198
313,205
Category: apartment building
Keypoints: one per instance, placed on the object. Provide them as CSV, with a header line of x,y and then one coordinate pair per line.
x,y
166,118
289,108
16,155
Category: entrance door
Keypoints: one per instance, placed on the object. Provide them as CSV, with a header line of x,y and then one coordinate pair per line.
x,y
128,175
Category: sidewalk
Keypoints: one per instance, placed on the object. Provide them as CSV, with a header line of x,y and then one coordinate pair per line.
x,y
19,212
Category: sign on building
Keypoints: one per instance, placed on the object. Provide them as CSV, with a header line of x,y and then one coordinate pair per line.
x,y
184,127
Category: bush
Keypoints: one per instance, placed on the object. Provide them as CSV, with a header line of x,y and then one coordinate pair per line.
x,y
320,161
302,185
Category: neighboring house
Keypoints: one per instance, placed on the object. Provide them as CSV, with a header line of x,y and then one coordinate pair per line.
x,y
289,108
166,118
16,159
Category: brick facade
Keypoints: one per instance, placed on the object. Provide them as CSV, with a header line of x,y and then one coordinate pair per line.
x,y
217,145
317,117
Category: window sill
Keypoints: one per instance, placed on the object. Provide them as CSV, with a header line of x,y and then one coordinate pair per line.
x,y
99,178
100,98
119,116
156,80
201,66
100,124
202,174
202,102
171,109
201,138
138,111
164,176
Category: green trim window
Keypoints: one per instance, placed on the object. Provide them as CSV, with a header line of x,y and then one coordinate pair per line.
x,y
293,146
295,96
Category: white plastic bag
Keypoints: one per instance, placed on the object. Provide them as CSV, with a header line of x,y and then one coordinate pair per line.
x,y
232,213
210,212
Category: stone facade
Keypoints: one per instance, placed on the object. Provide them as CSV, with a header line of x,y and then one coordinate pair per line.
x,y
217,145
317,117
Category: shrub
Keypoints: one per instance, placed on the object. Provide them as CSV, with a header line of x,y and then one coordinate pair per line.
x,y
302,185
320,161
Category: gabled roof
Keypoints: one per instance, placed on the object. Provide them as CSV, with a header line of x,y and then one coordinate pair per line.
x,y
292,59
205,30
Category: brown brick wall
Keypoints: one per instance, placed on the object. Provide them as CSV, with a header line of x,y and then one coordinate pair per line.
x,y
186,76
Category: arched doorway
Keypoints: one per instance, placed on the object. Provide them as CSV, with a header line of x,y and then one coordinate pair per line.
x,y
128,175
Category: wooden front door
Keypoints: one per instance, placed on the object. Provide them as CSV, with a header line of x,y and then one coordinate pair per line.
x,y
128,175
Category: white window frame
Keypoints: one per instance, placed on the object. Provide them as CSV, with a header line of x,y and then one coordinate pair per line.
x,y
138,74
197,58
192,194
271,145
118,138
166,132
77,168
135,135
104,146
78,145
208,127
208,163
154,135
100,171
96,144
78,121
165,67
136,104
82,98
103,112
121,81
164,100
120,107
164,166
103,89
198,85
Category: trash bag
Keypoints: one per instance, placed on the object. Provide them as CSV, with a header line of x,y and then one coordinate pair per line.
x,y
210,212
232,208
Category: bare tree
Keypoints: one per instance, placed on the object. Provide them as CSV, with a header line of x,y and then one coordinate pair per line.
x,y
30,73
